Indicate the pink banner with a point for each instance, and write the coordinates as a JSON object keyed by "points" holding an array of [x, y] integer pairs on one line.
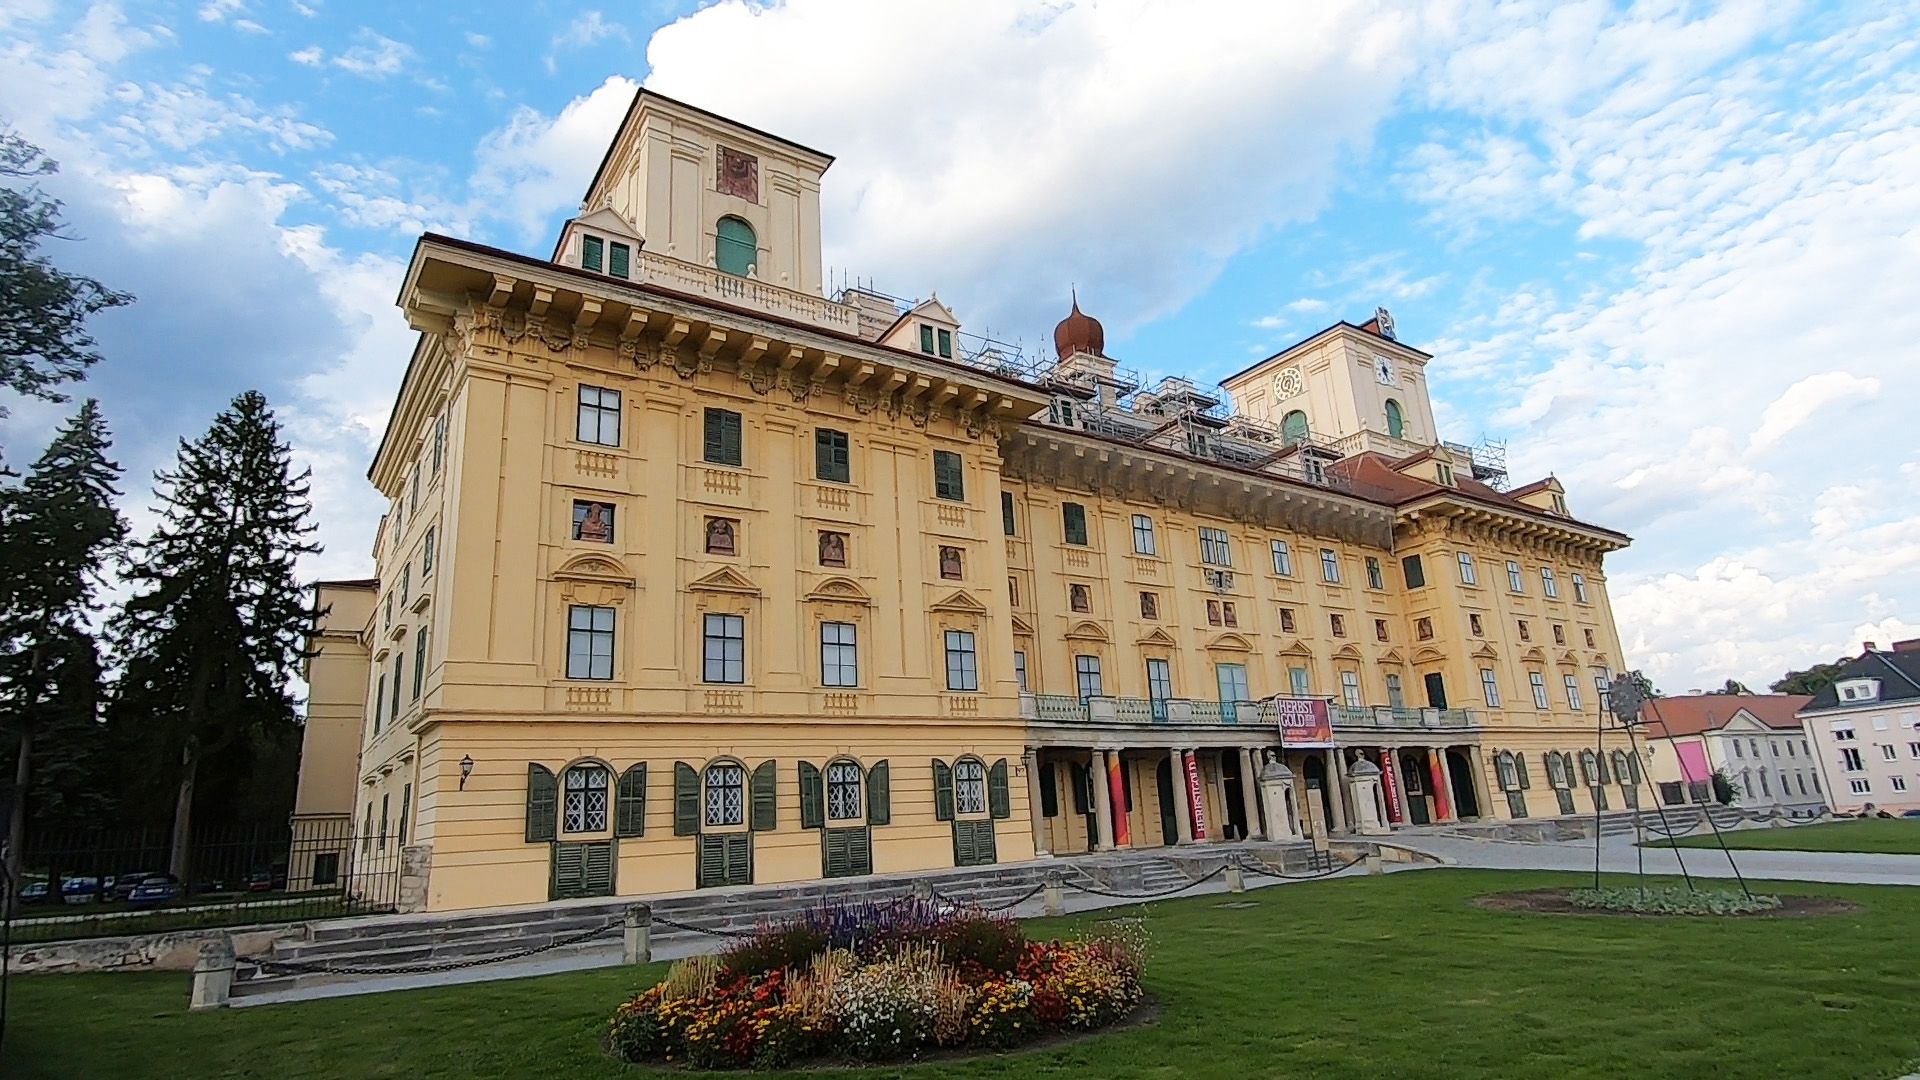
{"points": [[1693, 761], [1196, 798], [1303, 721], [1442, 798]]}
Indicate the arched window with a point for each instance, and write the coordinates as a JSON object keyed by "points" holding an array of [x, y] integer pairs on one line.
{"points": [[1503, 764], [1557, 770], [583, 806], [734, 249], [1396, 420], [726, 802], [970, 786], [1293, 427], [1622, 772], [1589, 768], [843, 791]]}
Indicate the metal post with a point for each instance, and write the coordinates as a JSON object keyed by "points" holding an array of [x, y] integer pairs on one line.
{"points": [[1599, 730], [213, 975], [638, 943]]}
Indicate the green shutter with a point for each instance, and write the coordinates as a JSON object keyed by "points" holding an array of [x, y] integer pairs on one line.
{"points": [[765, 785], [846, 852], [860, 851], [926, 339], [730, 437], [569, 873], [1633, 767], [1049, 792], [711, 867], [1520, 767], [686, 800], [710, 447], [630, 811], [720, 437], [999, 802], [598, 872], [590, 248], [543, 803], [1600, 766], [986, 850], [813, 797], [942, 790], [739, 856], [879, 795], [822, 454], [617, 260], [962, 844], [973, 843]]}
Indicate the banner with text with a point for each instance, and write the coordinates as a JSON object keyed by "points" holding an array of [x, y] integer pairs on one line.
{"points": [[1304, 721], [1196, 797]]}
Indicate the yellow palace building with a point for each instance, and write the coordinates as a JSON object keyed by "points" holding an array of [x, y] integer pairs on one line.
{"points": [[697, 576]]}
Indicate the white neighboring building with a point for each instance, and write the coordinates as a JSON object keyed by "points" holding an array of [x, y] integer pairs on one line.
{"points": [[1755, 738], [1866, 730]]}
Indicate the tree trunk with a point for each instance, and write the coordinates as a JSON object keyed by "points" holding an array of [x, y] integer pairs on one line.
{"points": [[17, 825], [181, 844]]}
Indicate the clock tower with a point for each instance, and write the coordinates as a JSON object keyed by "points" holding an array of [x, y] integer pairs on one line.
{"points": [[1355, 387]]}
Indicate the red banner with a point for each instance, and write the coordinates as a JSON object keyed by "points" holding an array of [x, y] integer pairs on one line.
{"points": [[1303, 721], [1196, 797], [1390, 784], [1117, 801]]}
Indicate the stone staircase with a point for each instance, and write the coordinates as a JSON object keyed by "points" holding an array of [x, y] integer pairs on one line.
{"points": [[452, 938]]}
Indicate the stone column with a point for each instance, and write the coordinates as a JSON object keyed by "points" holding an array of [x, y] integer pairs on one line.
{"points": [[1336, 779], [1439, 754], [1177, 763], [416, 864], [1102, 805], [1480, 794], [1391, 788], [1248, 799], [1042, 840]]}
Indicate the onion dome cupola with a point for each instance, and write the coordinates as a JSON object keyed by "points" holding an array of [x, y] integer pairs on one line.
{"points": [[1078, 333]]}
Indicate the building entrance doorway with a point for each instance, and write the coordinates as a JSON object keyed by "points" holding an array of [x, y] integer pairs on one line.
{"points": [[1413, 785], [1314, 772], [1436, 684], [1232, 789], [1163, 782], [1466, 803]]}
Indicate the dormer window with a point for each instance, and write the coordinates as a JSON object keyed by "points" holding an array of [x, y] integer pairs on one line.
{"points": [[936, 342], [1444, 472], [1560, 504], [1858, 690], [603, 256], [1061, 411]]}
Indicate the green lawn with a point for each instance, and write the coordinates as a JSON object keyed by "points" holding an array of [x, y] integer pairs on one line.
{"points": [[1368, 977], [1886, 836]]}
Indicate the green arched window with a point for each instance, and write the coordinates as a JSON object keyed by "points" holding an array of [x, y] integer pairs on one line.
{"points": [[734, 250], [1293, 427], [1396, 420]]}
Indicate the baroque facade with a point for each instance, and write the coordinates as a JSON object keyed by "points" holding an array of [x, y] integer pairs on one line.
{"points": [[695, 576]]}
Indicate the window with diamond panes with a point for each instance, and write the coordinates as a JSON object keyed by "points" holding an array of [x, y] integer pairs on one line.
{"points": [[726, 802], [583, 800], [843, 791], [969, 786]]}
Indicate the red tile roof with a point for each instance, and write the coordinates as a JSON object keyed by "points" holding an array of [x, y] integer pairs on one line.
{"points": [[1696, 713], [1375, 476]]}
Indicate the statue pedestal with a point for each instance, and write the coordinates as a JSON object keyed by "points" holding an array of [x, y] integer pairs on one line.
{"points": [[1283, 807]]}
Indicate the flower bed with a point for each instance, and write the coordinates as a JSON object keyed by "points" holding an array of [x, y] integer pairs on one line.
{"points": [[878, 982], [1672, 900]]}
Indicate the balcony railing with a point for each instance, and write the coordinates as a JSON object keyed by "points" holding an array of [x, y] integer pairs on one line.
{"points": [[1065, 709], [1401, 718], [708, 282]]}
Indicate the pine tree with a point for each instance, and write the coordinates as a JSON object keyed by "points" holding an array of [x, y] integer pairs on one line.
{"points": [[219, 619], [57, 531]]}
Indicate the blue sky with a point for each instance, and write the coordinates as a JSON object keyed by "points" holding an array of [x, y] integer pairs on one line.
{"points": [[1666, 250]]}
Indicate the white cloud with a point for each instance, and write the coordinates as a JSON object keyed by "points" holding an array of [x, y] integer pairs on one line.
{"points": [[215, 11], [375, 57], [1799, 402], [533, 166], [478, 41], [589, 29], [311, 56], [248, 26]]}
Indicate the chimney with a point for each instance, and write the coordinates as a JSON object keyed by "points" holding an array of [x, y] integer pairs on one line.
{"points": [[1912, 644], [1867, 646]]}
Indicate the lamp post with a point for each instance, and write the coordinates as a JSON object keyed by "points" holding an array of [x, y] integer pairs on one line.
{"points": [[466, 770]]}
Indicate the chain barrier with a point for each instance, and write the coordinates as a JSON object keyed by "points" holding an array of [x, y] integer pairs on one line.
{"points": [[298, 967], [992, 908], [1097, 891], [662, 920], [1262, 871]]}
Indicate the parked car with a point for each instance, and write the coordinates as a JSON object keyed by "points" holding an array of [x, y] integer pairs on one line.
{"points": [[260, 881], [1911, 813], [154, 889], [80, 890], [35, 892], [124, 884]]}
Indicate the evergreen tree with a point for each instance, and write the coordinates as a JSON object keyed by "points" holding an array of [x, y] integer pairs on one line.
{"points": [[43, 309], [219, 619], [1812, 680], [56, 532]]}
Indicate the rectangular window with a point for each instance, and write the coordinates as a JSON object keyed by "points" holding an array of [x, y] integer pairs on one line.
{"points": [[439, 442], [1086, 674], [1375, 578], [1859, 787], [1073, 523], [963, 668], [589, 642], [1887, 750], [1468, 576], [947, 480], [1572, 683], [1006, 513], [1899, 782], [946, 343], [420, 662], [399, 668], [720, 442], [406, 583], [1282, 558], [839, 655], [1338, 623], [1143, 542], [1579, 588], [1539, 684], [832, 457], [1159, 686], [1490, 687], [1329, 566], [593, 522], [1850, 759], [1350, 689], [618, 255], [1232, 680], [1150, 606], [599, 416], [1214, 549], [1586, 634], [427, 544], [1414, 571], [1298, 682], [1020, 670], [926, 339], [1548, 585], [1559, 634], [1287, 624], [379, 702], [592, 249], [724, 649], [1515, 583]]}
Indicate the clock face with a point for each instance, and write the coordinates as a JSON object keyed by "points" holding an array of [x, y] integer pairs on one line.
{"points": [[1288, 383], [1383, 370]]}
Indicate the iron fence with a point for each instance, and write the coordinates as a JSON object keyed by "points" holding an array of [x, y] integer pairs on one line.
{"points": [[84, 883]]}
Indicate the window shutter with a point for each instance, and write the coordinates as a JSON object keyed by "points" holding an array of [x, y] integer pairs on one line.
{"points": [[766, 816], [1520, 766], [879, 795], [569, 871], [730, 437], [543, 803], [597, 874], [686, 801], [739, 856], [711, 868], [1077, 778], [860, 851], [986, 850], [1600, 766], [833, 853], [712, 446], [962, 843], [813, 797], [590, 247], [1633, 767], [617, 260], [999, 802], [822, 453], [630, 813], [942, 791]]}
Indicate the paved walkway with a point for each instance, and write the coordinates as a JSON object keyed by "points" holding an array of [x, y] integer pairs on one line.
{"points": [[1618, 854]]}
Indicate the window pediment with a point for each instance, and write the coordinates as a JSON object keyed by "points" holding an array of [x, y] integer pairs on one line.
{"points": [[1230, 643], [1087, 630], [960, 601], [725, 580], [1022, 626], [1485, 652], [1428, 655], [1391, 656], [1568, 659], [843, 590], [1348, 652], [1296, 648], [1157, 636], [1534, 655]]}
